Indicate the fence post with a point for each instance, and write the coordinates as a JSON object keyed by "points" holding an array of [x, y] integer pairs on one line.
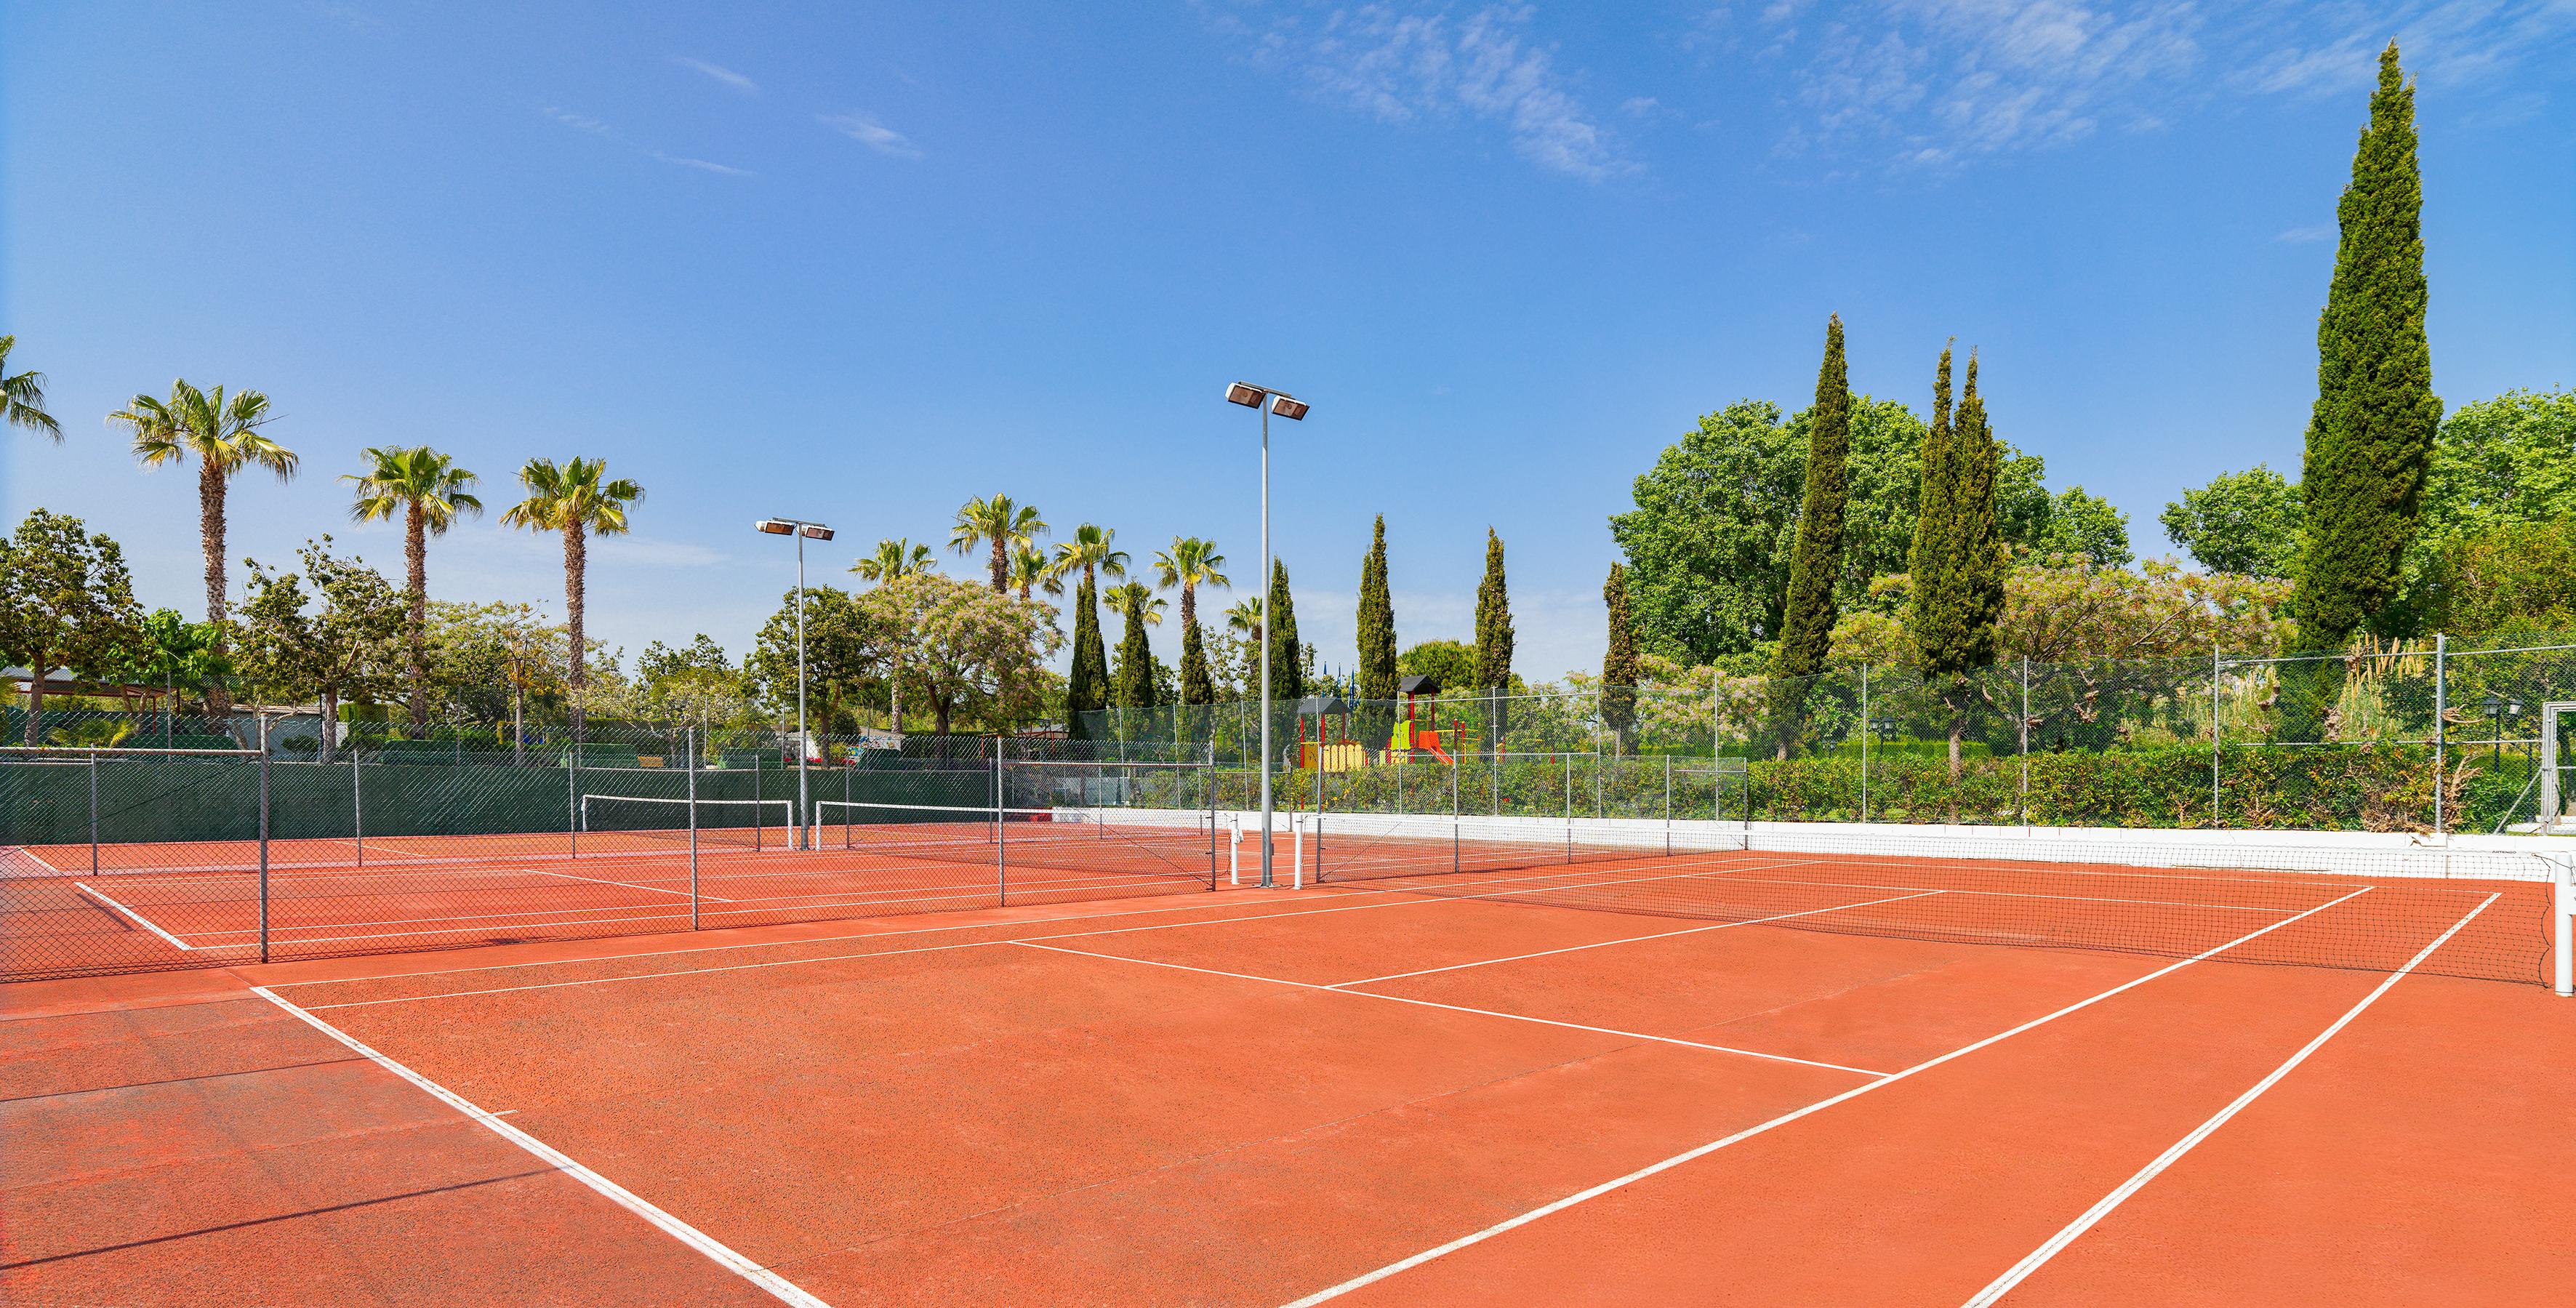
{"points": [[572, 797], [1865, 733], [2214, 665], [263, 835], [1668, 806], [2441, 723], [690, 739], [93, 808], [2565, 913], [357, 808], [1002, 838], [1569, 808], [2025, 741], [1454, 761]]}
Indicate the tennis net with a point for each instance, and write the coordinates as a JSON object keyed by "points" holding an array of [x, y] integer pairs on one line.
{"points": [[1171, 844], [646, 820], [2368, 903]]}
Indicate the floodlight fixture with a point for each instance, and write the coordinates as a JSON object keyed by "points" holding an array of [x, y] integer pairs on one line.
{"points": [[816, 531], [1245, 394], [775, 527], [1289, 407]]}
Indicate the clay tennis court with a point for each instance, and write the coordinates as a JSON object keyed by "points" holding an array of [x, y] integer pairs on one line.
{"points": [[1731, 1076]]}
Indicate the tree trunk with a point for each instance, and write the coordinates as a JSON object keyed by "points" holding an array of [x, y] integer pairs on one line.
{"points": [[576, 562], [416, 565], [330, 724], [1001, 565], [1189, 604], [894, 686], [940, 709], [210, 532]]}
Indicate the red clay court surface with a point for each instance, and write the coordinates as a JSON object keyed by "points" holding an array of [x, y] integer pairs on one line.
{"points": [[1355, 1094]]}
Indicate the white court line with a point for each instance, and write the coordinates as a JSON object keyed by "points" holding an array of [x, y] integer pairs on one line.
{"points": [[778, 1286], [1630, 940], [137, 918], [603, 881], [1374, 903], [2056, 1244], [1656, 1169], [1454, 1008]]}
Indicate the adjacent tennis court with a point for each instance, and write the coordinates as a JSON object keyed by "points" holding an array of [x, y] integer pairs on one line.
{"points": [[1587, 1065]]}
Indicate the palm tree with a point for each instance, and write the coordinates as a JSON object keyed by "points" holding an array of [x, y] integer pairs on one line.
{"points": [[1093, 551], [578, 500], [429, 490], [1030, 570], [1243, 618], [22, 397], [1000, 523], [1188, 564], [896, 558], [222, 432], [1134, 595]]}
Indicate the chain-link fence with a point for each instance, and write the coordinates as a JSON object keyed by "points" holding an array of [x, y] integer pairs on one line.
{"points": [[118, 858], [2384, 736]]}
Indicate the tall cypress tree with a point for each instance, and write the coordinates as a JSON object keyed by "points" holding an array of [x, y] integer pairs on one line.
{"points": [[1198, 685], [2370, 435], [1377, 641], [1619, 660], [1807, 618], [1287, 657], [1959, 555], [1086, 685], [1135, 660], [1494, 636]]}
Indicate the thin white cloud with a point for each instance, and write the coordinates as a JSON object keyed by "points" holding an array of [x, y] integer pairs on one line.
{"points": [[731, 79], [1639, 106], [590, 126], [1407, 67], [867, 131], [2308, 234], [1939, 83]]}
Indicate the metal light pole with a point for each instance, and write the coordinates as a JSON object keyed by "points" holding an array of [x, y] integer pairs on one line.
{"points": [[1294, 409], [802, 531]]}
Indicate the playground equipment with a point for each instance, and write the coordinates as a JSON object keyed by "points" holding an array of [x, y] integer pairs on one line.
{"points": [[1336, 745]]}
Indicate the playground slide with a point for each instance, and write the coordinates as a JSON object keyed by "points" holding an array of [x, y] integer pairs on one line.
{"points": [[1440, 754]]}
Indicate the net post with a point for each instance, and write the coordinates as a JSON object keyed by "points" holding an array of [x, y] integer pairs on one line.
{"points": [[2564, 892], [263, 834], [690, 741], [1297, 852]]}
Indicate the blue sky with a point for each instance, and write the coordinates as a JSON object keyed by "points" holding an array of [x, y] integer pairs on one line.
{"points": [[858, 262]]}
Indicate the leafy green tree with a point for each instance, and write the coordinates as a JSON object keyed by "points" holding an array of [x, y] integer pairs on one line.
{"points": [[2370, 437], [895, 557], [1134, 677], [578, 500], [66, 600], [2503, 461], [1619, 662], [998, 524], [845, 651], [491, 661], [349, 649], [1959, 556], [2514, 577], [963, 648], [2085, 526], [429, 491], [1452, 663], [175, 653], [1287, 657], [222, 433], [1815, 563], [695, 683], [22, 398], [2245, 524], [1704, 543]]}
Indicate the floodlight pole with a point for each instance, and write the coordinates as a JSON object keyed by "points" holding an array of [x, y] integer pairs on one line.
{"points": [[800, 529], [1268, 809]]}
